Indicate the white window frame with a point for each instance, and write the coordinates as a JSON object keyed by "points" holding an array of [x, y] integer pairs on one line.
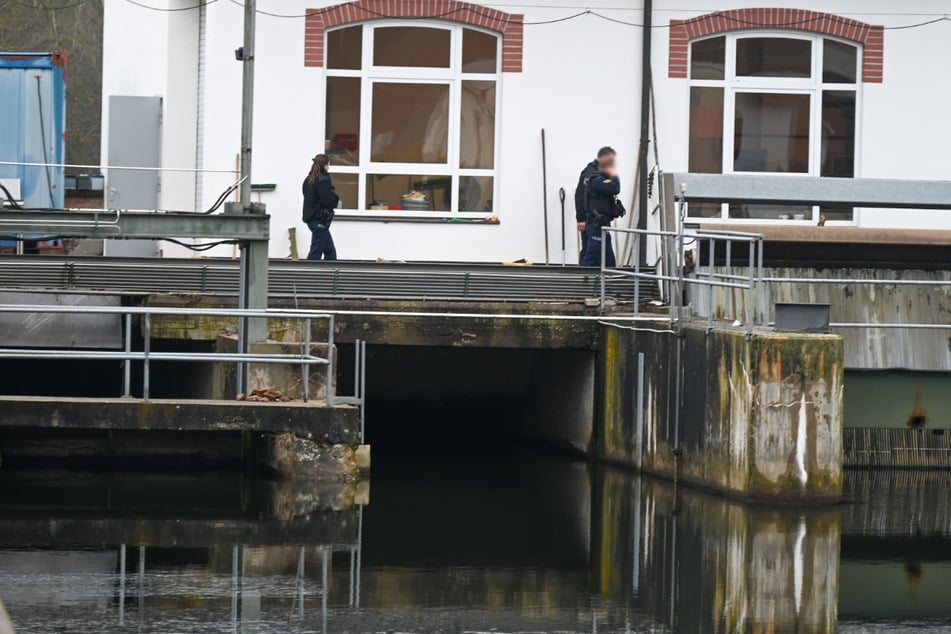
{"points": [[733, 84], [453, 76]]}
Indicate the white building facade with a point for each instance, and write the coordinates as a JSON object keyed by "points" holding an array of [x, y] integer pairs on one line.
{"points": [[432, 111]]}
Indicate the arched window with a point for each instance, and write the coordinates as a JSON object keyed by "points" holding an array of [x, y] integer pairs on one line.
{"points": [[411, 124], [773, 102]]}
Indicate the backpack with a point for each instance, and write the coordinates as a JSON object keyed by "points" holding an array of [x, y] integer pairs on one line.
{"points": [[582, 205]]}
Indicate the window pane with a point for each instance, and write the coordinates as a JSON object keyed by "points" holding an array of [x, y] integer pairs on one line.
{"points": [[706, 130], [706, 58], [475, 193], [704, 210], [345, 48], [411, 46], [771, 212], [410, 193], [480, 52], [837, 213], [410, 123], [838, 62], [773, 57], [838, 133], [771, 133], [347, 186], [477, 133], [343, 120]]}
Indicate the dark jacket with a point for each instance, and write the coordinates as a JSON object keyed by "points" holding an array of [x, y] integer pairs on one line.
{"points": [[581, 191], [320, 200], [602, 199]]}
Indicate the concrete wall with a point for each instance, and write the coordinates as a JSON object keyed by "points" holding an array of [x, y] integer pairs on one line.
{"points": [[865, 348], [758, 418]]}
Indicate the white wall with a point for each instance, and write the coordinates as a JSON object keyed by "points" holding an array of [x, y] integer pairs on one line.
{"points": [[580, 81], [903, 128]]}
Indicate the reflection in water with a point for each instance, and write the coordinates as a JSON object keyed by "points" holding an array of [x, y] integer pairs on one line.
{"points": [[507, 543]]}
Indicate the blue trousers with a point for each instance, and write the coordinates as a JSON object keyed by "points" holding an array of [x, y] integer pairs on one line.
{"points": [[321, 242], [592, 247]]}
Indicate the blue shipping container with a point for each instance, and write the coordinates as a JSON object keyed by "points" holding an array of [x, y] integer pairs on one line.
{"points": [[33, 124]]}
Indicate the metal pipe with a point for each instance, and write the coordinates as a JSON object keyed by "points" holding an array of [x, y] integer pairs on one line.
{"points": [[712, 249], [305, 368], [127, 363], [637, 272], [363, 391], [247, 99], [119, 167], [147, 345], [545, 192], [604, 251], [642, 153], [329, 398]]}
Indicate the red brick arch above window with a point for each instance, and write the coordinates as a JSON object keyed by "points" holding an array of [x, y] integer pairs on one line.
{"points": [[508, 25], [870, 36]]}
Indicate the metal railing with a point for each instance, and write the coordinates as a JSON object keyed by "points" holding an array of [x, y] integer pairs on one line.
{"points": [[675, 274], [147, 356], [746, 274]]}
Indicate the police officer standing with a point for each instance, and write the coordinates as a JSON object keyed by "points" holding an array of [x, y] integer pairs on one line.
{"points": [[602, 207], [581, 194]]}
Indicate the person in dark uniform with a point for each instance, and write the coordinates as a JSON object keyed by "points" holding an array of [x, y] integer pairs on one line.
{"points": [[603, 208], [581, 193], [320, 200]]}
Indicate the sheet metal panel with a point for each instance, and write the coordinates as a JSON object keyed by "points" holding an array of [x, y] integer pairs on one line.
{"points": [[60, 330]]}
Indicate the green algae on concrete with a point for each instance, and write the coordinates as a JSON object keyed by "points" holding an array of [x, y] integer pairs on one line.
{"points": [[758, 417]]}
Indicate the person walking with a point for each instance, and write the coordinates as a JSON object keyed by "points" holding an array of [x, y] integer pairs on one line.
{"points": [[320, 200], [582, 193], [603, 208]]}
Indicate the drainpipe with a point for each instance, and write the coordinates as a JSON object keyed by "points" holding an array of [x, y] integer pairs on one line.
{"points": [[642, 206]]}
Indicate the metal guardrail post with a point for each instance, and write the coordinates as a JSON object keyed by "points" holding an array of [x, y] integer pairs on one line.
{"points": [[713, 245], [749, 292], [305, 367], [127, 363], [761, 246], [640, 410], [637, 273], [147, 346], [604, 251], [331, 361]]}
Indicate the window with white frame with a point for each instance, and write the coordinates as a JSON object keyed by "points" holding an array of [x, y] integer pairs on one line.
{"points": [[411, 124], [773, 103]]}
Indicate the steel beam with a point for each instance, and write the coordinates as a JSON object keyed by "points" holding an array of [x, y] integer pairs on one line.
{"points": [[132, 225], [807, 190]]}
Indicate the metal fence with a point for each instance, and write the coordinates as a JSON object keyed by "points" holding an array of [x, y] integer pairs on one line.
{"points": [[742, 274], [305, 358]]}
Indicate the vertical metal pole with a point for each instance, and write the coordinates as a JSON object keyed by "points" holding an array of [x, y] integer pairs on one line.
{"points": [[646, 82], [353, 564], [545, 193], [760, 284], [247, 99], [121, 584], [147, 346], [637, 273], [240, 371], [604, 249], [331, 366], [713, 245], [363, 390], [127, 364], [749, 290], [305, 367], [640, 410]]}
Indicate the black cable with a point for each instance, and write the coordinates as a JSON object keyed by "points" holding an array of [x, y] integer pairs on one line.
{"points": [[200, 247], [46, 158], [151, 8]]}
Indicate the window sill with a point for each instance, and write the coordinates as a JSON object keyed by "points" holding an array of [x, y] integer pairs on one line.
{"points": [[433, 218]]}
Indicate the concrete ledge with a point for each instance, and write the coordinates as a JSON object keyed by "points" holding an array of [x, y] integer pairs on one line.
{"points": [[314, 420]]}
